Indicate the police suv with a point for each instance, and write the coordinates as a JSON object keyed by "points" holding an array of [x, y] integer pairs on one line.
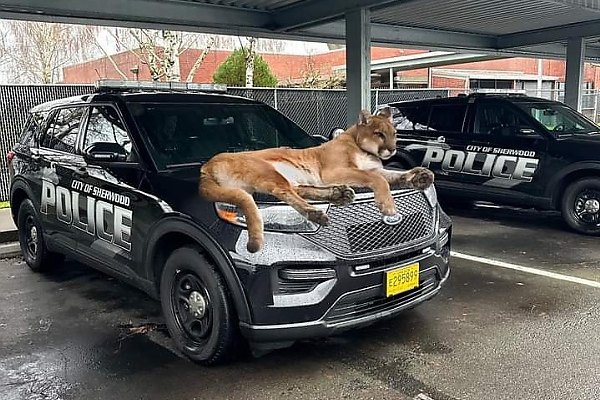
{"points": [[111, 179], [507, 149]]}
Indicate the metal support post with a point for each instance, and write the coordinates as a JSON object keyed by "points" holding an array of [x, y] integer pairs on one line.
{"points": [[358, 62], [574, 76]]}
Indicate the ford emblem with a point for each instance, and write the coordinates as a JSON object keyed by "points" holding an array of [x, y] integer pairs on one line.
{"points": [[392, 219]]}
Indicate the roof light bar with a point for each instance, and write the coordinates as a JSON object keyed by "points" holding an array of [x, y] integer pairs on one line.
{"points": [[116, 84]]}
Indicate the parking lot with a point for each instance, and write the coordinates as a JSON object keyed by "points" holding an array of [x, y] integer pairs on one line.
{"points": [[518, 319]]}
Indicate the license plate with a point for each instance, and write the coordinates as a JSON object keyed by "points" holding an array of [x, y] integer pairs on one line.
{"points": [[402, 279]]}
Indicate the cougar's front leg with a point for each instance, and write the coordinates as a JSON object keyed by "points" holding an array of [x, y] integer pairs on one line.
{"points": [[362, 178], [339, 195], [416, 178]]}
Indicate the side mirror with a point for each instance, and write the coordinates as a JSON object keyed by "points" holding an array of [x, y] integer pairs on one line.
{"points": [[105, 152], [335, 132]]}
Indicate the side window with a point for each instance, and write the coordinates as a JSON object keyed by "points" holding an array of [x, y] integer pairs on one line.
{"points": [[32, 130], [496, 119], [412, 118], [105, 126], [63, 129], [448, 118]]}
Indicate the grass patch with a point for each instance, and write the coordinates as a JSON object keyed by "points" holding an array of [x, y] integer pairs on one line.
{"points": [[4, 204]]}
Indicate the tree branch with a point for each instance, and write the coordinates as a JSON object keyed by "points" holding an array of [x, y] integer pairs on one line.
{"points": [[200, 59], [112, 61]]}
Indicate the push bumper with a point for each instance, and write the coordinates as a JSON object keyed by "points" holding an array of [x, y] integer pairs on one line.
{"points": [[354, 298]]}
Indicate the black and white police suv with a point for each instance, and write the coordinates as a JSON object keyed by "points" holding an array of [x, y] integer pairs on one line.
{"points": [[507, 149], [111, 179]]}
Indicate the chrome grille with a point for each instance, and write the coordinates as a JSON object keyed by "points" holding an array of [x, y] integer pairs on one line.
{"points": [[358, 228]]}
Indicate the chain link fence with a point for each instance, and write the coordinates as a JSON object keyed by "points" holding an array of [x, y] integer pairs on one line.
{"points": [[316, 111]]}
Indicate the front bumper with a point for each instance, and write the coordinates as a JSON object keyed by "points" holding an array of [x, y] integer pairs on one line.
{"points": [[349, 294]]}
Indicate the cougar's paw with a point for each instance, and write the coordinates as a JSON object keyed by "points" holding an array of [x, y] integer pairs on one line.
{"points": [[254, 245], [318, 217], [422, 178], [387, 206], [342, 195]]}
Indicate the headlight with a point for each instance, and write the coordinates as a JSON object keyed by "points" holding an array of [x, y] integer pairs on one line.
{"points": [[431, 196], [280, 218]]}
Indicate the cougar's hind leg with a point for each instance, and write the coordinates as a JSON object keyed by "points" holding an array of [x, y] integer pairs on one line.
{"points": [[211, 190]]}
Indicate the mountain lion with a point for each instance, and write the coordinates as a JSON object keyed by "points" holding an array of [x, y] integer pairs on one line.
{"points": [[321, 173]]}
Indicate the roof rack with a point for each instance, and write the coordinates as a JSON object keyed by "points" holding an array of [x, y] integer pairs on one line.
{"points": [[106, 85], [498, 94]]}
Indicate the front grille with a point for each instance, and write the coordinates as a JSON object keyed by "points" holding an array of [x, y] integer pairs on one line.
{"points": [[358, 228], [356, 305]]}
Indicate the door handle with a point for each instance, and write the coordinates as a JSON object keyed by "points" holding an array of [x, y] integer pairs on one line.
{"points": [[81, 171]]}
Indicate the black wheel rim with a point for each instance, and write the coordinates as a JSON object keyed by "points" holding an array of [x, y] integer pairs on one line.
{"points": [[192, 307], [587, 207], [32, 237]]}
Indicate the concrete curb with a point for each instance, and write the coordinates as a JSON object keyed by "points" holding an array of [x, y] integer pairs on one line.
{"points": [[10, 250]]}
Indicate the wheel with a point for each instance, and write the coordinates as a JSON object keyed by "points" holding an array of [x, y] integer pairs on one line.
{"points": [[197, 307], [31, 239], [581, 206]]}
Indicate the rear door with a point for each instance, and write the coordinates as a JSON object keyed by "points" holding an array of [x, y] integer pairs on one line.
{"points": [[433, 135], [58, 167]]}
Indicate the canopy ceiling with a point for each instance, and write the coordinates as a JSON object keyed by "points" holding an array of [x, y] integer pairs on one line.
{"points": [[538, 28]]}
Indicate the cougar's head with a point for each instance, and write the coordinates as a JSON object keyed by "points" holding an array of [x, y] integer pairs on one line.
{"points": [[376, 134]]}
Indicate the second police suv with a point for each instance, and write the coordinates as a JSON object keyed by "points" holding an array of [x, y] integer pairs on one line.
{"points": [[111, 179], [507, 149]]}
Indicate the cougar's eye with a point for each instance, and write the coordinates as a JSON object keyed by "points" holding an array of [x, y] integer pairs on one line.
{"points": [[381, 135]]}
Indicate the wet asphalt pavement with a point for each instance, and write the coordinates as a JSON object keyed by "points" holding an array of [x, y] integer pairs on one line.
{"points": [[491, 333]]}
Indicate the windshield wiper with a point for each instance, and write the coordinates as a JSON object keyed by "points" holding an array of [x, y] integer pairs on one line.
{"points": [[192, 164]]}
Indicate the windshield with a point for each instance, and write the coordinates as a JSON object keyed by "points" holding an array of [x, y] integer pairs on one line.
{"points": [[558, 118], [183, 134]]}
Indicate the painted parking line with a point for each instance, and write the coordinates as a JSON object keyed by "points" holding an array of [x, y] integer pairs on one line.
{"points": [[529, 270]]}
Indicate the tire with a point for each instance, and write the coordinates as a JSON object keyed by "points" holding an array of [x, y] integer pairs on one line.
{"points": [[191, 284], [31, 239], [580, 206]]}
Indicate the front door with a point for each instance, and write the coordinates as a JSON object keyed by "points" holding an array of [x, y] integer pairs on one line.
{"points": [[108, 200], [509, 149]]}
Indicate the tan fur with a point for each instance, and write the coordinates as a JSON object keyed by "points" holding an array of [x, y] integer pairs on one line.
{"points": [[321, 173]]}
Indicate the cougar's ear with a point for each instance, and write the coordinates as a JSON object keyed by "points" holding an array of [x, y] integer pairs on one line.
{"points": [[385, 112], [363, 117]]}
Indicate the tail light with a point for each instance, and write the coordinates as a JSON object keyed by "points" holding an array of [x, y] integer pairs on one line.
{"points": [[10, 155]]}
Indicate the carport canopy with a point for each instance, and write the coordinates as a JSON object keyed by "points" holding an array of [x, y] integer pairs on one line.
{"points": [[536, 28]]}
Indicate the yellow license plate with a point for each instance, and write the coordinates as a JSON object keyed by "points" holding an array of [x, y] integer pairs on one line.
{"points": [[402, 279]]}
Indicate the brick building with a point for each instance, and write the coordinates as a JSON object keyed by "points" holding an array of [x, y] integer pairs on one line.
{"points": [[290, 70]]}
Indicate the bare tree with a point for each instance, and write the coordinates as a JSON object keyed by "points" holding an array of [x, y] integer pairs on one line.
{"points": [[249, 54], [200, 59], [270, 46], [160, 51], [313, 77], [38, 51]]}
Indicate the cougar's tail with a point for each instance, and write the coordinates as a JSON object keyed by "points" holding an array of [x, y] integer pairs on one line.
{"points": [[211, 190]]}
